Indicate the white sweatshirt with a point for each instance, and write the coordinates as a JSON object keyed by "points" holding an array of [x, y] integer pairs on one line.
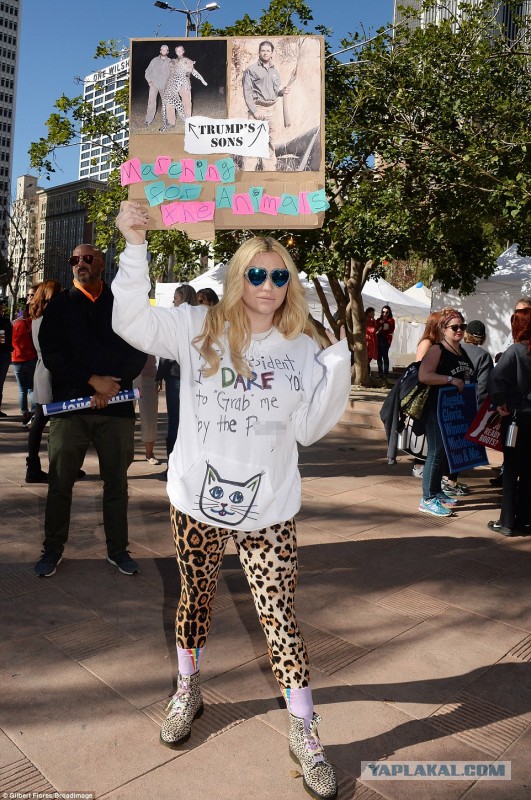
{"points": [[234, 464]]}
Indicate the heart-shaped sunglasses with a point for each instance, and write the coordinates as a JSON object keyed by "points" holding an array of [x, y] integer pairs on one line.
{"points": [[258, 275]]}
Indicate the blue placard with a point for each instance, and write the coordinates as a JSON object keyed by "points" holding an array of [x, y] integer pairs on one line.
{"points": [[79, 403], [455, 413]]}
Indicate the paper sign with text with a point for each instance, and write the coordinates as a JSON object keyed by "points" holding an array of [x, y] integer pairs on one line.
{"points": [[200, 116], [486, 427], [241, 137], [455, 412]]}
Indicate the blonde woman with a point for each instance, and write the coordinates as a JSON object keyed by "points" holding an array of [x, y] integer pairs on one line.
{"points": [[254, 382]]}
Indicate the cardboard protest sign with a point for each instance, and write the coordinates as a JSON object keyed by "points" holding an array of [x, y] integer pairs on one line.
{"points": [[486, 427], [227, 133], [455, 412]]}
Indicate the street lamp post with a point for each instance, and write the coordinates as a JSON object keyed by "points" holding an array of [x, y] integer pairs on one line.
{"points": [[194, 18]]}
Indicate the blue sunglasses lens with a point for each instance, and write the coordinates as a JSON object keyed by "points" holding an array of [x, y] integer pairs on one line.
{"points": [[280, 277], [258, 275]]}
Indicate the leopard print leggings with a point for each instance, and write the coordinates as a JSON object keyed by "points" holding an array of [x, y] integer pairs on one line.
{"points": [[269, 559]]}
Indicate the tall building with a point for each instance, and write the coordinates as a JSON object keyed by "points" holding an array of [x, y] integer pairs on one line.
{"points": [[45, 226], [63, 225], [507, 13], [9, 47], [23, 247], [99, 89]]}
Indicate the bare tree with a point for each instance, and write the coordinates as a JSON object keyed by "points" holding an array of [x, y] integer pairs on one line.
{"points": [[18, 260]]}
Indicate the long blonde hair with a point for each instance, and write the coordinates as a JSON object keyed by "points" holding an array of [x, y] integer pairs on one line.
{"points": [[229, 317]]}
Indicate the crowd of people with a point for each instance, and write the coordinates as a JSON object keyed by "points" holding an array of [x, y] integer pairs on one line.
{"points": [[450, 353], [20, 347], [232, 476]]}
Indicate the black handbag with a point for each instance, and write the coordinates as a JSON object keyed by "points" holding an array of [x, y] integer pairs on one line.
{"points": [[413, 394]]}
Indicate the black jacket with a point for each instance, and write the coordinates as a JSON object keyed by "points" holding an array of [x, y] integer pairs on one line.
{"points": [[5, 325], [510, 380], [77, 341], [392, 415]]}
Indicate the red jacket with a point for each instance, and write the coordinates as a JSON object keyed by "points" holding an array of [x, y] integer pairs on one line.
{"points": [[388, 332], [23, 349]]}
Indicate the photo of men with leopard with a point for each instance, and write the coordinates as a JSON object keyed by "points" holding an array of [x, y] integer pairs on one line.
{"points": [[173, 79]]}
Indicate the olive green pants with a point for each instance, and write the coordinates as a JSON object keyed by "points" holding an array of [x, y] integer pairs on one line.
{"points": [[70, 437]]}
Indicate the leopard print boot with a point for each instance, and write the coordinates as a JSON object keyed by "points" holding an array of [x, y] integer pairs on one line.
{"points": [[305, 748], [185, 706]]}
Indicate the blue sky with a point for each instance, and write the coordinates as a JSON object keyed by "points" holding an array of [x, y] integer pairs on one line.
{"points": [[59, 37]]}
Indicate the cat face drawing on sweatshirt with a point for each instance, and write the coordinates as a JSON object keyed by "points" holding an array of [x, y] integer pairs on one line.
{"points": [[228, 502]]}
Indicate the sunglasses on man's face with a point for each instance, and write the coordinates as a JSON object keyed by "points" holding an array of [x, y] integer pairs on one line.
{"points": [[88, 258], [258, 275], [456, 328]]}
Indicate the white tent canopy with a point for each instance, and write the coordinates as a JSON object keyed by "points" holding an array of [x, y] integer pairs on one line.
{"points": [[410, 314], [494, 298], [213, 278], [380, 292], [419, 292]]}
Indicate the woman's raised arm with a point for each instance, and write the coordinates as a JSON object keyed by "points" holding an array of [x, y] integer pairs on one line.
{"points": [[149, 329], [131, 222]]}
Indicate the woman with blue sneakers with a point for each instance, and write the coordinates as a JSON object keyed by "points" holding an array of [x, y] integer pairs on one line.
{"points": [[445, 364]]}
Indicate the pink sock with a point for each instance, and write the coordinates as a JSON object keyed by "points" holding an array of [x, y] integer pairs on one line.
{"points": [[189, 659], [300, 703]]}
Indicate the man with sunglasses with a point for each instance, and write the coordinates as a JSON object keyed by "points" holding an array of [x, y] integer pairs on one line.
{"points": [[85, 357]]}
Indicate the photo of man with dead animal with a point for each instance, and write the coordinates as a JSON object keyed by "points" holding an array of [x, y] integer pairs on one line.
{"points": [[279, 80]]}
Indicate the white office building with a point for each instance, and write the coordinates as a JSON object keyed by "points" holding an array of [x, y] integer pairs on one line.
{"points": [[507, 14], [24, 251], [100, 89]]}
